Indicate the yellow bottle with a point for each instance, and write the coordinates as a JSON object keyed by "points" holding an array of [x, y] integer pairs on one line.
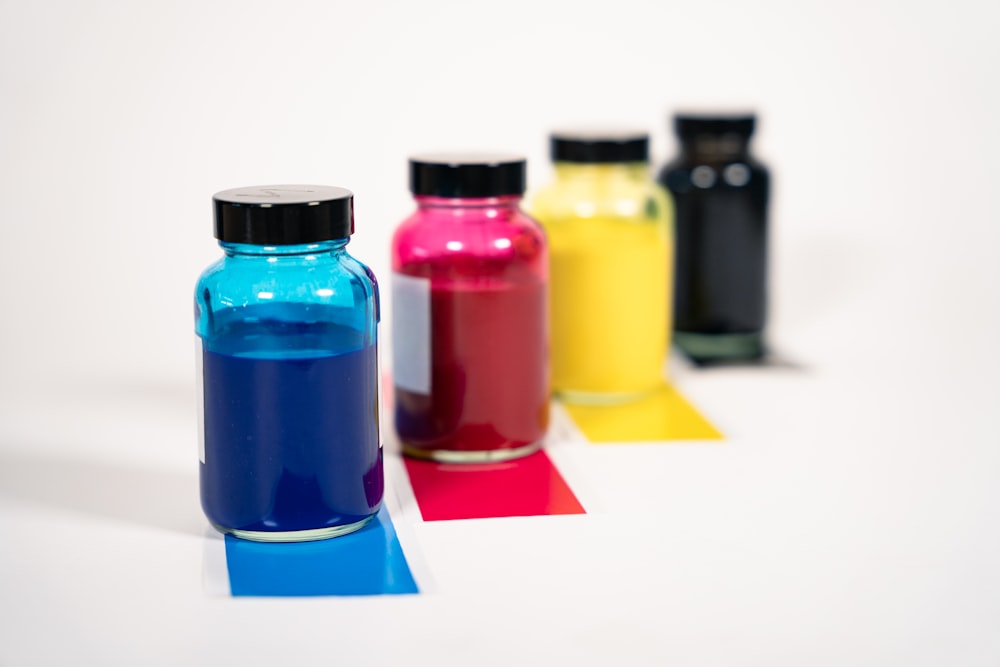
{"points": [[610, 231]]}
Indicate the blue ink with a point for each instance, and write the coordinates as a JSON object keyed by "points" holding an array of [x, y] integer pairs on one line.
{"points": [[291, 443]]}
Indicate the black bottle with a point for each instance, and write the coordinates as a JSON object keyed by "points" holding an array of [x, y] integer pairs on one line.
{"points": [[720, 194]]}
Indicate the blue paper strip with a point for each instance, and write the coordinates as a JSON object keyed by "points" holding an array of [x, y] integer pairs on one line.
{"points": [[368, 562]]}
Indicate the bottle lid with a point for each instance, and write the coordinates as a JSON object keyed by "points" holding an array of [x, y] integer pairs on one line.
{"points": [[691, 125], [283, 214], [599, 146], [468, 175]]}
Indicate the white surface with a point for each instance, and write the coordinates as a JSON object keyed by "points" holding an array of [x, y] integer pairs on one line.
{"points": [[853, 516]]}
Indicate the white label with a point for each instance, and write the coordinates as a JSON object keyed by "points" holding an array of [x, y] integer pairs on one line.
{"points": [[199, 383], [411, 333]]}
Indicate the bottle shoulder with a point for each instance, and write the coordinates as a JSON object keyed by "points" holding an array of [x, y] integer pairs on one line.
{"points": [[211, 272], [688, 162], [682, 176], [358, 270], [639, 200], [324, 278], [444, 236], [676, 164]]}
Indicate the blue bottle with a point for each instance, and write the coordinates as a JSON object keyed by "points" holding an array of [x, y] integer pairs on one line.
{"points": [[287, 325]]}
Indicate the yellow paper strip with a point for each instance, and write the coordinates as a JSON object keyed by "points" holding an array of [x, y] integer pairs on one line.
{"points": [[663, 415]]}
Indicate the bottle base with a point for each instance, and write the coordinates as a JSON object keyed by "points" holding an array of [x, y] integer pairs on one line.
{"points": [[720, 347], [310, 535], [471, 456], [602, 398]]}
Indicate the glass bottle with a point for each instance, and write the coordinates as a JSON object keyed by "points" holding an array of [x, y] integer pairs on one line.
{"points": [[470, 324], [610, 240], [721, 195], [287, 326]]}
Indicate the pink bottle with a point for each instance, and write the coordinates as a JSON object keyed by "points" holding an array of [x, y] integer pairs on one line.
{"points": [[470, 313]]}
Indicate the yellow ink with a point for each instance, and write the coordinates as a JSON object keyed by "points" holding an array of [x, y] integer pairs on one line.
{"points": [[661, 415], [611, 266]]}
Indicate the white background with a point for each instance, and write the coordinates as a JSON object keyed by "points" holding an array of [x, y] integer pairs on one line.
{"points": [[852, 517]]}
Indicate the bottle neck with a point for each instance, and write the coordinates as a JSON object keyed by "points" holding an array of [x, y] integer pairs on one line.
{"points": [[509, 202], [632, 171], [716, 148], [251, 250]]}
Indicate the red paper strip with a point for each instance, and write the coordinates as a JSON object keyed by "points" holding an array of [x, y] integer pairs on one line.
{"points": [[530, 486]]}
